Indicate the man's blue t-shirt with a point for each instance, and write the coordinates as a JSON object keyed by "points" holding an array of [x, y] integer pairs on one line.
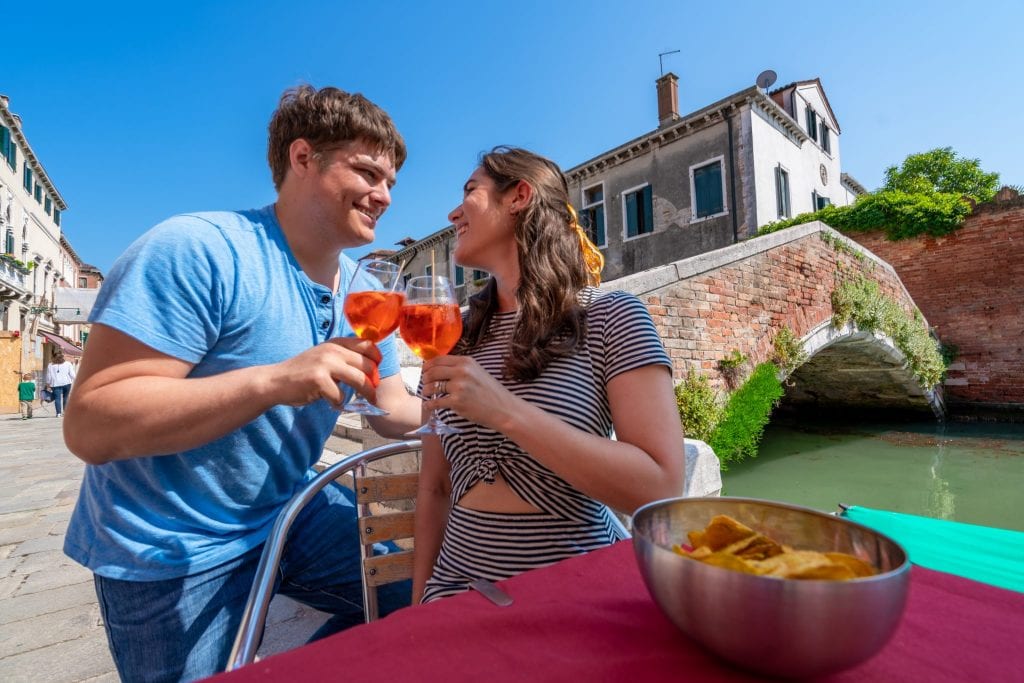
{"points": [[221, 291]]}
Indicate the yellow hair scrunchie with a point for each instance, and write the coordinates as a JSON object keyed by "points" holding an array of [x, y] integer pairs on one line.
{"points": [[592, 257]]}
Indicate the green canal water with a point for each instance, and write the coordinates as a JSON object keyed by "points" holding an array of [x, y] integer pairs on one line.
{"points": [[967, 472]]}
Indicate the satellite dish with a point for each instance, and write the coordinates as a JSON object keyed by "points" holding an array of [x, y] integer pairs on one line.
{"points": [[765, 79]]}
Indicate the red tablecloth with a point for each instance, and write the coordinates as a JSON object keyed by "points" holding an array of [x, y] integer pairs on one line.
{"points": [[591, 619]]}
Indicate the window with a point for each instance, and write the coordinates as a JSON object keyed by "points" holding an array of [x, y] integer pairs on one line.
{"points": [[83, 282], [39, 193], [9, 242], [707, 188], [48, 205], [460, 276], [428, 270], [592, 215], [812, 124], [8, 148], [405, 280], [26, 178], [826, 140], [56, 216], [782, 192], [638, 214], [479, 275], [818, 201]]}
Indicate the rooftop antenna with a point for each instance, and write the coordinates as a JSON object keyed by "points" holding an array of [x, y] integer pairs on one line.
{"points": [[765, 79], [661, 62]]}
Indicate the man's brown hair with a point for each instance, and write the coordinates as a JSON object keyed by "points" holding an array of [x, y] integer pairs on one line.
{"points": [[327, 119]]}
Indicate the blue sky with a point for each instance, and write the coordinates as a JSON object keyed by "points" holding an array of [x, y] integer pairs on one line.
{"points": [[139, 110]]}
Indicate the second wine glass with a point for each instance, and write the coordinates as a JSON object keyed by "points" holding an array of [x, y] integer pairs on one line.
{"points": [[431, 324], [372, 307]]}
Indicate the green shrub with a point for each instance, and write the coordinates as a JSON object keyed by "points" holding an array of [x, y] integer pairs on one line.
{"points": [[697, 402], [745, 415], [789, 351], [861, 300], [900, 214]]}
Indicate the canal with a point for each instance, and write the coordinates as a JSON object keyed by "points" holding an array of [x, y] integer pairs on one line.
{"points": [[967, 472]]}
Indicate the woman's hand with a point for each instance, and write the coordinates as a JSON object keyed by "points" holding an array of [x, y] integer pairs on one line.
{"points": [[467, 389]]}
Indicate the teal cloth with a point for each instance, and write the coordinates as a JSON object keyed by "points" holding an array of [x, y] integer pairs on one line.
{"points": [[986, 554]]}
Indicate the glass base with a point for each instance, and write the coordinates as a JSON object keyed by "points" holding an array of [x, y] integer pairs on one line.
{"points": [[363, 407], [434, 426]]}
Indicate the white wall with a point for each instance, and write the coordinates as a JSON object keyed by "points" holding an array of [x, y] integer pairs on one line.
{"points": [[772, 146]]}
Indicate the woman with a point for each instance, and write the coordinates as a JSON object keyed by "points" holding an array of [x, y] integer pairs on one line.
{"points": [[59, 376], [545, 367]]}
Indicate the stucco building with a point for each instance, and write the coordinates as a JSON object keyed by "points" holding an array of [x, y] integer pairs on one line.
{"points": [[33, 261], [697, 182]]}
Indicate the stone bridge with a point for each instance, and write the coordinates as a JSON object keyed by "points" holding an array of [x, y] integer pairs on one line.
{"points": [[738, 298]]}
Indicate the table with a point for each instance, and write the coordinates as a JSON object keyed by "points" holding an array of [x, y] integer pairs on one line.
{"points": [[590, 618]]}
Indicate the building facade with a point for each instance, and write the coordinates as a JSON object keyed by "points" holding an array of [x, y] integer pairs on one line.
{"points": [[33, 261], [698, 182]]}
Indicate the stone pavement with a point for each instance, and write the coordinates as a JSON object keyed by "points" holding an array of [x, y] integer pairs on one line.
{"points": [[50, 627]]}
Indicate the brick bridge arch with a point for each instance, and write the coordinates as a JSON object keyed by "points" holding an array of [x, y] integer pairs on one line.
{"points": [[739, 297]]}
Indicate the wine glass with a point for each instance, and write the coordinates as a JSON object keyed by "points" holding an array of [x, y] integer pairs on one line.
{"points": [[431, 324], [372, 306]]}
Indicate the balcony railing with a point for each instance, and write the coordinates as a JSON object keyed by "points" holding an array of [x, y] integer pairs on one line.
{"points": [[12, 280]]}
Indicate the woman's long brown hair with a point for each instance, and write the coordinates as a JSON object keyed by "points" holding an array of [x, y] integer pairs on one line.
{"points": [[551, 322]]}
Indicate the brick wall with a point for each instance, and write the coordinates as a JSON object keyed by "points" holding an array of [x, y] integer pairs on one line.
{"points": [[970, 287], [742, 305]]}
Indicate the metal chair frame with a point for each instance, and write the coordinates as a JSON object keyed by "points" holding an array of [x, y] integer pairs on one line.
{"points": [[254, 617]]}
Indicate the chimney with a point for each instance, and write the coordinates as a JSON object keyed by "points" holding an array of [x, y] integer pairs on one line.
{"points": [[668, 99]]}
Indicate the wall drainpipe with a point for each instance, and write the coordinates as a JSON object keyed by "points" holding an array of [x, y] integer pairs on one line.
{"points": [[732, 183]]}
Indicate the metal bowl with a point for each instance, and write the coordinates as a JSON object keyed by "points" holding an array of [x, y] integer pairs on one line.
{"points": [[778, 627]]}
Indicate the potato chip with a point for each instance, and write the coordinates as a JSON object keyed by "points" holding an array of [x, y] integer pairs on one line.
{"points": [[729, 544], [722, 531]]}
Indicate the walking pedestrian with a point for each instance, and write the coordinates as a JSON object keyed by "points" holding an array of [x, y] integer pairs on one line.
{"points": [[60, 374], [26, 395]]}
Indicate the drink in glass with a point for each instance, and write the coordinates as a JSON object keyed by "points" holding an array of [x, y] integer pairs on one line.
{"points": [[372, 307], [431, 324]]}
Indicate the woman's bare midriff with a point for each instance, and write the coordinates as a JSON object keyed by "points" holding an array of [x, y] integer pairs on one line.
{"points": [[496, 497]]}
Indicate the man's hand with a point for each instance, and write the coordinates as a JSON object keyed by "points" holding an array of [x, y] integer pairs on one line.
{"points": [[316, 373]]}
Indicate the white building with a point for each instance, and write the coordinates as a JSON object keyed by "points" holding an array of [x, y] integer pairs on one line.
{"points": [[32, 261]]}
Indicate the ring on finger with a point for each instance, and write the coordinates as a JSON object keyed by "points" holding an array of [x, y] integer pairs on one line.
{"points": [[442, 386]]}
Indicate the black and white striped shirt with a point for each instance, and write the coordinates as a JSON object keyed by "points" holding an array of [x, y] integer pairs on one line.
{"points": [[620, 336]]}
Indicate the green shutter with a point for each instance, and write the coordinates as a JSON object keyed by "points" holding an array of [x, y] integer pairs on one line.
{"points": [[778, 192], [648, 206], [707, 185]]}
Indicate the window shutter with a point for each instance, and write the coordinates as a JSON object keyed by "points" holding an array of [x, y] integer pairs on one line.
{"points": [[631, 215], [778, 192], [707, 185], [648, 205]]}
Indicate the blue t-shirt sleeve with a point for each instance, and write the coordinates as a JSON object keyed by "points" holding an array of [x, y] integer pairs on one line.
{"points": [[169, 289]]}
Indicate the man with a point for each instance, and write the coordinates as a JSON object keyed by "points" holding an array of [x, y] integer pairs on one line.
{"points": [[217, 361]]}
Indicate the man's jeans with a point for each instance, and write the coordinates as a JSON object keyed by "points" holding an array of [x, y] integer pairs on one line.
{"points": [[183, 629]]}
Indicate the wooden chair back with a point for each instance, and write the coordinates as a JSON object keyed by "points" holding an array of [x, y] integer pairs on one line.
{"points": [[385, 498]]}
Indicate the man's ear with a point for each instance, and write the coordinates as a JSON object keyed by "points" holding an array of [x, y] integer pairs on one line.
{"points": [[301, 157]]}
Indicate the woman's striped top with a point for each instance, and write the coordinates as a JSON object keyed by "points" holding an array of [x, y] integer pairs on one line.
{"points": [[620, 336]]}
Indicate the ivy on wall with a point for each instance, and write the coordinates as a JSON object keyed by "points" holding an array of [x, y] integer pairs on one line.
{"points": [[860, 300], [901, 215]]}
